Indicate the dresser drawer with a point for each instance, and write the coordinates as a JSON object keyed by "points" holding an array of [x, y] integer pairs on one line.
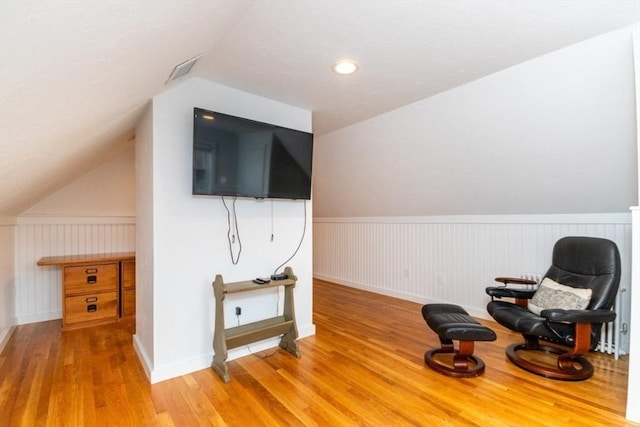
{"points": [[85, 308], [90, 279]]}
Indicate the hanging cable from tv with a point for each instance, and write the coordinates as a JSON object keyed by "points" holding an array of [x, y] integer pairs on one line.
{"points": [[277, 276], [233, 231]]}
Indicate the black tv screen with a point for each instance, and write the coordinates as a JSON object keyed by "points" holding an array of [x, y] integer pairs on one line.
{"points": [[233, 156]]}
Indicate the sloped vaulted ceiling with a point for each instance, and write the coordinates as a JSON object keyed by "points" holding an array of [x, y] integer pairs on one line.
{"points": [[74, 76]]}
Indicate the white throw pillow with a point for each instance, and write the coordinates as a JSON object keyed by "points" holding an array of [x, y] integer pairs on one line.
{"points": [[551, 294]]}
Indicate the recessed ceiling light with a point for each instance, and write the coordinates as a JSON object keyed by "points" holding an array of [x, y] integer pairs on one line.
{"points": [[345, 67]]}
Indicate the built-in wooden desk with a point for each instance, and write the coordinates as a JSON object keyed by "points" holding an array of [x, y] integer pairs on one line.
{"points": [[96, 288]]}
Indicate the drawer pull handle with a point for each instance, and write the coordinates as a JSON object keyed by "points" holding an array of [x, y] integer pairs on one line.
{"points": [[91, 270], [92, 308], [92, 280], [91, 299]]}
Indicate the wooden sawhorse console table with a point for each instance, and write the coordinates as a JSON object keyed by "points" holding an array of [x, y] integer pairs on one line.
{"points": [[227, 338]]}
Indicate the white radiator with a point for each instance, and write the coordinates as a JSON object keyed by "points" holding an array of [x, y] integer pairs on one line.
{"points": [[611, 334]]}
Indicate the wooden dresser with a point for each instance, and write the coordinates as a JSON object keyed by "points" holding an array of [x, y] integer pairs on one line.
{"points": [[96, 288]]}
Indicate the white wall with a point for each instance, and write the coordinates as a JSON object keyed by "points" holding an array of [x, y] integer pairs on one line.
{"points": [[189, 238], [7, 280], [552, 135], [633, 389], [107, 190], [143, 339]]}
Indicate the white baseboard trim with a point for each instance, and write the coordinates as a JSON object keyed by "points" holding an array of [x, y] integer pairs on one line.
{"points": [[5, 336], [306, 331], [303, 332], [38, 317], [188, 366], [142, 356], [180, 368], [474, 312]]}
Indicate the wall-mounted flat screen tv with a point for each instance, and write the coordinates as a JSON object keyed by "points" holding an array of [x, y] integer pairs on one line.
{"points": [[233, 156]]}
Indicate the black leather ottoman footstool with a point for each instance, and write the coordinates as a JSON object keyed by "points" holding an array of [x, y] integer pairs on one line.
{"points": [[452, 322]]}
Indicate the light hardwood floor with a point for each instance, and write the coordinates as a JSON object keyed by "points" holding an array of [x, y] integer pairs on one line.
{"points": [[364, 366]]}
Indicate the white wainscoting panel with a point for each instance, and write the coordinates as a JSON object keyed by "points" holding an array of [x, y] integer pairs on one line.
{"points": [[38, 289], [453, 258]]}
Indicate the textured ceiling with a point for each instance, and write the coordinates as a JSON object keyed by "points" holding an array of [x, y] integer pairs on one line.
{"points": [[75, 76]]}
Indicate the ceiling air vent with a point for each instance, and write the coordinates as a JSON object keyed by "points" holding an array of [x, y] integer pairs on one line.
{"points": [[183, 68]]}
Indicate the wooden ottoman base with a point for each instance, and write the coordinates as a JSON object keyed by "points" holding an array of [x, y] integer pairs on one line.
{"points": [[463, 364], [452, 322]]}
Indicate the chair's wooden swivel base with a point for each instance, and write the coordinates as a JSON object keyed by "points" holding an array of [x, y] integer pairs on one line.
{"points": [[570, 365], [452, 322]]}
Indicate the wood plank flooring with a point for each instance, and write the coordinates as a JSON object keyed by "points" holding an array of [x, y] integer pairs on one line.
{"points": [[363, 367]]}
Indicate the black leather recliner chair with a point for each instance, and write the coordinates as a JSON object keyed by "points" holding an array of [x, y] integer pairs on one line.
{"points": [[577, 262]]}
